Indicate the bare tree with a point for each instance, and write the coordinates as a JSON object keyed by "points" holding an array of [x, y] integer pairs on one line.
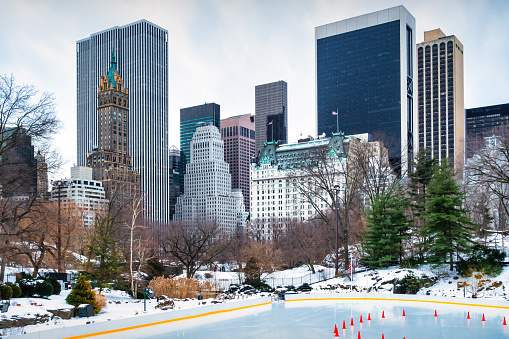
{"points": [[136, 210], [194, 245], [261, 258]]}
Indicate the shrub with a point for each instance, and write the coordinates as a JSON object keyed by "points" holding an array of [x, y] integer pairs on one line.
{"points": [[5, 292], [43, 288], [181, 288], [82, 293], [57, 288], [27, 287], [488, 260], [16, 290], [100, 300]]}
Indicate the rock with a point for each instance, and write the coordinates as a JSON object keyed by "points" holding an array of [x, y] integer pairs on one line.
{"points": [[64, 313]]}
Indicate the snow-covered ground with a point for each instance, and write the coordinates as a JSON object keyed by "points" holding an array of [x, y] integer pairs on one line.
{"points": [[121, 305]]}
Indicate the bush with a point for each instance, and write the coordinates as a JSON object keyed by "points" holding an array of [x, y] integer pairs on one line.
{"points": [[82, 293], [488, 260], [43, 288], [182, 288], [27, 287], [101, 300], [16, 290], [57, 288], [5, 292]]}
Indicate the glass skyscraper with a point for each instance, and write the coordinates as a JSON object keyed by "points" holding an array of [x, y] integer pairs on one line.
{"points": [[364, 71], [271, 107], [190, 119], [141, 49]]}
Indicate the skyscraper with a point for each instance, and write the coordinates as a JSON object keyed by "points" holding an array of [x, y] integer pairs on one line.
{"points": [[238, 135], [440, 112], [174, 192], [111, 162], [271, 112], [141, 49], [208, 196], [364, 72], [190, 119], [481, 121]]}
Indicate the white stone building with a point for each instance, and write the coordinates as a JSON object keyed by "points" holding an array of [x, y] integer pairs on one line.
{"points": [[80, 190], [208, 195], [275, 198]]}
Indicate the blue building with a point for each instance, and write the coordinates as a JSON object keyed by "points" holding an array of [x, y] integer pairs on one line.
{"points": [[364, 72], [190, 119]]}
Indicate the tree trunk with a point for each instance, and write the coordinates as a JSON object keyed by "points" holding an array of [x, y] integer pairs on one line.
{"points": [[2, 270]]}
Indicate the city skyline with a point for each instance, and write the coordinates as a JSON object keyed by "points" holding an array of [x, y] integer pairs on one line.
{"points": [[218, 52]]}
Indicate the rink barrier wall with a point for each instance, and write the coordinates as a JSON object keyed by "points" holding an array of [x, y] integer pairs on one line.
{"points": [[491, 303], [144, 320]]}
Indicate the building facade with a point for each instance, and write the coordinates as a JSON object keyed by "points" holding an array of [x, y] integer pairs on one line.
{"points": [[111, 162], [238, 135], [271, 112], [42, 174], [481, 121], [440, 97], [82, 192], [142, 55], [190, 119], [208, 196], [174, 165], [18, 165], [364, 72]]}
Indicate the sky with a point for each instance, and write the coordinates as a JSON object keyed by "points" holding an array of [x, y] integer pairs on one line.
{"points": [[220, 50]]}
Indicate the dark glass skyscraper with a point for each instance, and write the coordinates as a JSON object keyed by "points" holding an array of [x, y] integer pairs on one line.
{"points": [[271, 107], [141, 49], [481, 121], [190, 119], [364, 71]]}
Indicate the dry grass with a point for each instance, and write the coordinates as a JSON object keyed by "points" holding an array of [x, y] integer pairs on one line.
{"points": [[181, 288], [101, 300]]}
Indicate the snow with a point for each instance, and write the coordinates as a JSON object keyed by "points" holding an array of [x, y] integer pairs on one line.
{"points": [[121, 305]]}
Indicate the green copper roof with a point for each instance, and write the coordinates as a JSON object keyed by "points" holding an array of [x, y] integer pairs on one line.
{"points": [[113, 69]]}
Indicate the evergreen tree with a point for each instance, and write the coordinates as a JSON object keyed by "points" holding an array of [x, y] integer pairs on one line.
{"points": [[103, 247], [447, 226], [418, 190], [388, 228], [82, 293]]}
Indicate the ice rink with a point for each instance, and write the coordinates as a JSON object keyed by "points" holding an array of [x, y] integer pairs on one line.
{"points": [[316, 319]]}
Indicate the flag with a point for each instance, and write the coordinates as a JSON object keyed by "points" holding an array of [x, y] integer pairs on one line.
{"points": [[350, 267], [270, 123], [334, 113]]}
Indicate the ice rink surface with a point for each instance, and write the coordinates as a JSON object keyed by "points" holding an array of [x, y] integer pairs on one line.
{"points": [[316, 319]]}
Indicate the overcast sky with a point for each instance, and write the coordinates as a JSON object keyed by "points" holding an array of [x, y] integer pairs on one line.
{"points": [[220, 50]]}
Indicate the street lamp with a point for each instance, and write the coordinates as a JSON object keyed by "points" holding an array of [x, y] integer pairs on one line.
{"points": [[336, 188], [59, 184]]}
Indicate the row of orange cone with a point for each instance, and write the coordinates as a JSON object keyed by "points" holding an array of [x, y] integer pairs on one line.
{"points": [[336, 333]]}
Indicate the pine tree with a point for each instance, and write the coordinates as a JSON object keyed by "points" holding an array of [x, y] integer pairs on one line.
{"points": [[418, 191], [447, 226], [388, 228], [82, 293]]}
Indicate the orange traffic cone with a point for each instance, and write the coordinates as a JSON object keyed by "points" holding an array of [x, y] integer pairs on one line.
{"points": [[344, 325], [504, 322], [351, 322], [404, 313], [359, 335], [468, 315], [360, 322], [336, 333], [369, 316], [483, 319], [383, 336], [383, 314], [436, 314]]}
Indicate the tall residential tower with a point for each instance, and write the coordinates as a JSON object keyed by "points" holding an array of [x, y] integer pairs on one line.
{"points": [[271, 112], [441, 115], [141, 49], [238, 135], [364, 72]]}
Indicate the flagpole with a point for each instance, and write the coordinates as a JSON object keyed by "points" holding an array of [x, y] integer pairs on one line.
{"points": [[273, 140], [337, 120]]}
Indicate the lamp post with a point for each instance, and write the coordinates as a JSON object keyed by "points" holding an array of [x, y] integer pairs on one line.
{"points": [[336, 188], [59, 184]]}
